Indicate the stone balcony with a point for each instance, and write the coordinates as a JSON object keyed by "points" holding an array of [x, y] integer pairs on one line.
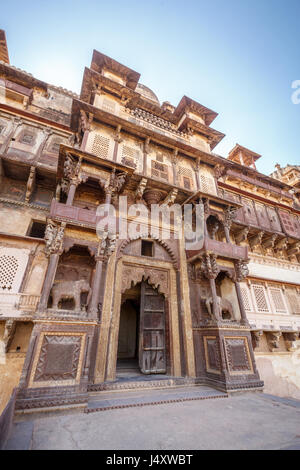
{"points": [[76, 214], [225, 250], [16, 304]]}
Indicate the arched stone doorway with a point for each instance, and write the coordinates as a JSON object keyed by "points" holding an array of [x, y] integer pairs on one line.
{"points": [[143, 338]]}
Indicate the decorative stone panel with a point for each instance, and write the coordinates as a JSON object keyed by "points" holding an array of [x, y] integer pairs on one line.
{"points": [[237, 354], [58, 360], [212, 354]]}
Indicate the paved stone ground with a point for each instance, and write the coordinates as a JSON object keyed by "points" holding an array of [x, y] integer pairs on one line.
{"points": [[246, 421]]}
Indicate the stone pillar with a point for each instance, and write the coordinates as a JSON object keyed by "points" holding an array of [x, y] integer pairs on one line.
{"points": [[93, 307], [241, 272], [118, 140], [196, 168], [71, 192], [229, 215], [54, 238], [146, 151], [174, 159], [213, 289], [210, 270], [49, 279]]}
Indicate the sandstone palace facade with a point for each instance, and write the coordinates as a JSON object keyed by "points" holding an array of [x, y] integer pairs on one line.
{"points": [[78, 311]]}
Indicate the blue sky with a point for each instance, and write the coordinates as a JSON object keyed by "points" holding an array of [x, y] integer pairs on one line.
{"points": [[237, 57]]}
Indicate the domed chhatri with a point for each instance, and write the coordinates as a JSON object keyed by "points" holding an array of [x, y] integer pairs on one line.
{"points": [[147, 93]]}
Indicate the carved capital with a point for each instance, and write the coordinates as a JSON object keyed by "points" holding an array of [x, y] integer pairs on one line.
{"points": [[229, 216], [256, 240], [219, 170], [241, 270], [209, 266], [54, 235], [170, 198], [241, 236], [106, 246], [140, 189], [290, 340]]}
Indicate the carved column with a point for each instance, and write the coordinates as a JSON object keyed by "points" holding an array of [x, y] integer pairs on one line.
{"points": [[229, 215], [105, 248], [54, 238], [241, 272], [30, 183], [174, 160], [210, 270], [71, 177], [196, 168], [72, 189], [118, 140], [146, 151]]}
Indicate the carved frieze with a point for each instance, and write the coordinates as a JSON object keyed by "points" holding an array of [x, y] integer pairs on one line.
{"points": [[157, 278]]}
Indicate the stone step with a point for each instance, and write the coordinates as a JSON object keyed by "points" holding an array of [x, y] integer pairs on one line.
{"points": [[103, 401]]}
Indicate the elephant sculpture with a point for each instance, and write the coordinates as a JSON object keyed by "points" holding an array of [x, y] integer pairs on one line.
{"points": [[70, 290], [225, 310]]}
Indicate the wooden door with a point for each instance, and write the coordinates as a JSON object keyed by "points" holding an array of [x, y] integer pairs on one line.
{"points": [[152, 345]]}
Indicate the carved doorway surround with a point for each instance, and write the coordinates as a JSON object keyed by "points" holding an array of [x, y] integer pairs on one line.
{"points": [[160, 275]]}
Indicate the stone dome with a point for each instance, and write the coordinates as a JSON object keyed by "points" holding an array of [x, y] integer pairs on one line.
{"points": [[147, 93]]}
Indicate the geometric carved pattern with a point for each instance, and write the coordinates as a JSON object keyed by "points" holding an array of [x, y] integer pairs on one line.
{"points": [[260, 297], [207, 185], [246, 299], [59, 357], [294, 300], [8, 270], [277, 298], [237, 354], [213, 354], [101, 146]]}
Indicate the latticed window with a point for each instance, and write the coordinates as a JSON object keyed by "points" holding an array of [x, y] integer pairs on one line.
{"points": [[100, 146], [159, 170], [186, 177], [294, 300], [207, 184], [8, 271], [246, 298], [260, 297], [277, 299], [129, 156], [108, 105]]}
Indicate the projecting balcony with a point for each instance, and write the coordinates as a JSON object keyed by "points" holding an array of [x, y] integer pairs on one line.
{"points": [[11, 304], [76, 214], [225, 250]]}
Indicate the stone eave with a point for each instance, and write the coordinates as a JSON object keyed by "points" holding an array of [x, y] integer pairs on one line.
{"points": [[34, 117], [101, 61], [88, 157], [239, 148], [91, 78], [214, 136], [144, 133], [220, 201], [21, 77], [186, 104]]}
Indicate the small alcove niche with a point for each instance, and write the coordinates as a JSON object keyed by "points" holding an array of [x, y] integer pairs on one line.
{"points": [[214, 228], [89, 195], [77, 264], [229, 303]]}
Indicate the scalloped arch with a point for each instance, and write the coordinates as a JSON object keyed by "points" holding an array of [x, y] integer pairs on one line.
{"points": [[161, 242]]}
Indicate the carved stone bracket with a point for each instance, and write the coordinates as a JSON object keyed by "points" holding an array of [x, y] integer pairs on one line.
{"points": [[229, 216], [241, 236], [9, 331], [219, 171], [170, 198], [294, 249], [140, 190], [106, 246], [241, 270], [30, 183], [281, 244], [269, 241], [256, 337], [273, 339], [256, 240], [290, 340], [54, 235], [209, 266]]}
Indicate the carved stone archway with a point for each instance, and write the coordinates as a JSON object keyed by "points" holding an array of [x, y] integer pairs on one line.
{"points": [[161, 242], [156, 278]]}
